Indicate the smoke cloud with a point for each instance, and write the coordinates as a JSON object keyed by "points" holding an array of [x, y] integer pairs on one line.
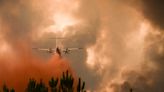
{"points": [[19, 21], [122, 42], [152, 10], [135, 55]]}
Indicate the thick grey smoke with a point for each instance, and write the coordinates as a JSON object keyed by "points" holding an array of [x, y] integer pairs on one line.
{"points": [[85, 36], [151, 80], [155, 52], [82, 35], [123, 55], [21, 20], [118, 37], [121, 50], [153, 11], [18, 21]]}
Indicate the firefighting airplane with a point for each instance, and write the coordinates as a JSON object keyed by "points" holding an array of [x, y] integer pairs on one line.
{"points": [[57, 50]]}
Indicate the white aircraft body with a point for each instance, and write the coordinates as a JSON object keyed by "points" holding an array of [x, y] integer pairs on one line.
{"points": [[58, 50]]}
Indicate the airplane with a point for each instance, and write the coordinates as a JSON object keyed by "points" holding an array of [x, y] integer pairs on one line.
{"points": [[57, 49]]}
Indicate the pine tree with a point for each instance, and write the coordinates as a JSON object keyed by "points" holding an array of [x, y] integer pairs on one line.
{"points": [[53, 84], [31, 87], [66, 82], [12, 90], [5, 88], [65, 85], [41, 87], [80, 88]]}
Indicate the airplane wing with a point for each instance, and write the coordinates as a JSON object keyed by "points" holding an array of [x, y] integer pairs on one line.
{"points": [[41, 49], [68, 50], [74, 48]]}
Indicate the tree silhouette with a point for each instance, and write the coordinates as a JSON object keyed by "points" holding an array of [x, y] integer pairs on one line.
{"points": [[41, 87], [66, 84], [12, 90], [5, 88], [31, 87], [131, 90], [53, 84], [80, 88]]}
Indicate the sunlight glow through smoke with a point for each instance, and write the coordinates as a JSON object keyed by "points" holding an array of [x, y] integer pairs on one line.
{"points": [[62, 21], [62, 16]]}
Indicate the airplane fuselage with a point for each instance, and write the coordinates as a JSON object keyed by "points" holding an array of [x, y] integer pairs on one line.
{"points": [[57, 50]]}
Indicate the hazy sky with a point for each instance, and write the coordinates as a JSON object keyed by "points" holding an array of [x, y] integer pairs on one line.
{"points": [[122, 41]]}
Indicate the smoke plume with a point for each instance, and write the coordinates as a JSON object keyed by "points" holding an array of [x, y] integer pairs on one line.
{"points": [[122, 41], [19, 20]]}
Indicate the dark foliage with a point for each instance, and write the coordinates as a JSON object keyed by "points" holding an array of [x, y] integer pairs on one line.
{"points": [[64, 84], [6, 89], [80, 88], [53, 84]]}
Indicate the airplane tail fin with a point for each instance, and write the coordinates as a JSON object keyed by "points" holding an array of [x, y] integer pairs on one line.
{"points": [[56, 38]]}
